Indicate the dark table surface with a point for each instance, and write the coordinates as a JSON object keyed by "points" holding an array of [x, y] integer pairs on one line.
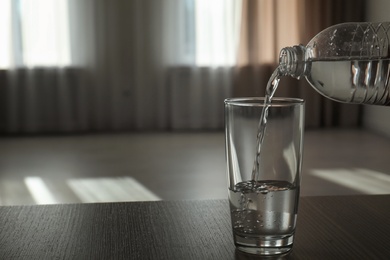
{"points": [[334, 227]]}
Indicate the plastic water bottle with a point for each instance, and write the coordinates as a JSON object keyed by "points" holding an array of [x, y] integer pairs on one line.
{"points": [[347, 63]]}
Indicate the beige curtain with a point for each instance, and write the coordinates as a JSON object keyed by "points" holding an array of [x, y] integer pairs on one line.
{"points": [[268, 26]]}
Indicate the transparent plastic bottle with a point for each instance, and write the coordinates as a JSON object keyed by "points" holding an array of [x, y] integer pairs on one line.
{"points": [[347, 62]]}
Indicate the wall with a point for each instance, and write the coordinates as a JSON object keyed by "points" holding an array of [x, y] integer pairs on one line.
{"points": [[377, 118]]}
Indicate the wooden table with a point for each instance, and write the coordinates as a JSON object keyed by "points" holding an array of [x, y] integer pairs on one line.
{"points": [[338, 227]]}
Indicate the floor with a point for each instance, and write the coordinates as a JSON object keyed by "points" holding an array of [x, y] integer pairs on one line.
{"points": [[174, 166]]}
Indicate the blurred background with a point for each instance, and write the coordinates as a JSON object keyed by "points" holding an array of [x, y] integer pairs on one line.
{"points": [[123, 100]]}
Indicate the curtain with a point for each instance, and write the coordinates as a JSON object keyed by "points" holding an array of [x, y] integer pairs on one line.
{"points": [[268, 26], [132, 65], [101, 65]]}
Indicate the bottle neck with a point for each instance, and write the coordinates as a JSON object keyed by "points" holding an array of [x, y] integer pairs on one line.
{"points": [[292, 61]]}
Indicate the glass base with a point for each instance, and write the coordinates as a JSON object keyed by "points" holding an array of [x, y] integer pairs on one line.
{"points": [[264, 245]]}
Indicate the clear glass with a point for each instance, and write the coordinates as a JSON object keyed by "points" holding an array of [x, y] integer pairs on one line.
{"points": [[264, 210], [346, 62]]}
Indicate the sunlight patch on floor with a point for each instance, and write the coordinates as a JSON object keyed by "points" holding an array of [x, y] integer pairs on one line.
{"points": [[90, 190], [363, 180], [39, 191]]}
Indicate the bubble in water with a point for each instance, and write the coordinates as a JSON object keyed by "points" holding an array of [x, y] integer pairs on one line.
{"points": [[251, 218]]}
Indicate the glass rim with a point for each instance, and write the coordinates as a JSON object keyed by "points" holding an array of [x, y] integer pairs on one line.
{"points": [[259, 101]]}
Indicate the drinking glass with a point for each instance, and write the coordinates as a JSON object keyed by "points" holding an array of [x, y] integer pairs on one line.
{"points": [[264, 177]]}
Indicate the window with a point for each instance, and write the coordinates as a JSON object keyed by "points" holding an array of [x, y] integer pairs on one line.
{"points": [[5, 33], [217, 31], [34, 33], [207, 31]]}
